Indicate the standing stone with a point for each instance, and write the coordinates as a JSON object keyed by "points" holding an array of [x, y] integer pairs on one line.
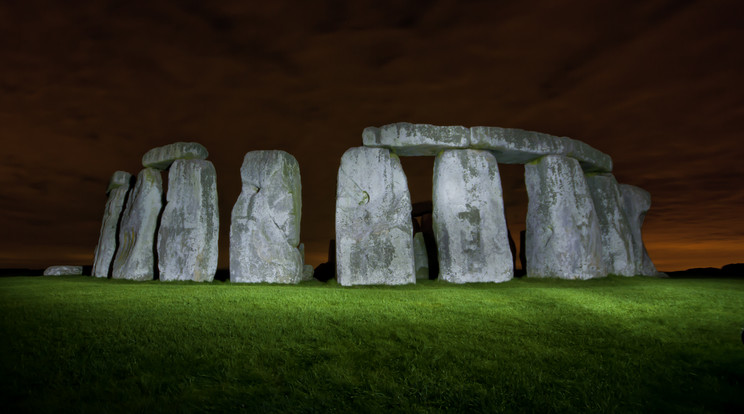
{"points": [[563, 237], [308, 272], [135, 257], [636, 203], [265, 227], [189, 227], [63, 271], [617, 242], [117, 191], [469, 221], [420, 258], [373, 220]]}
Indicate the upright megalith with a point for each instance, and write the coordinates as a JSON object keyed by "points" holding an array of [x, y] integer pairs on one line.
{"points": [[636, 203], [117, 191], [469, 221], [373, 220], [161, 158], [265, 226], [135, 256], [563, 236], [617, 245], [420, 258], [189, 227]]}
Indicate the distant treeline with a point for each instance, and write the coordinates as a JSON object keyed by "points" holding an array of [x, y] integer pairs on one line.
{"points": [[728, 271]]}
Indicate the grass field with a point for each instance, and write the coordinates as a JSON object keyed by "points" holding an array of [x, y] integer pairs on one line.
{"points": [[80, 344]]}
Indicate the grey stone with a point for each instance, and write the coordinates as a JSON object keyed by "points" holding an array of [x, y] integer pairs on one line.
{"points": [[469, 221], [636, 203], [617, 244], [373, 220], [189, 227], [516, 146], [563, 236], [119, 179], [420, 258], [162, 157], [265, 227], [63, 271], [135, 256], [117, 191], [404, 138], [307, 272]]}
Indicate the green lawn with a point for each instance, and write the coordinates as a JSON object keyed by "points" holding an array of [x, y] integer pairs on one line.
{"points": [[80, 344]]}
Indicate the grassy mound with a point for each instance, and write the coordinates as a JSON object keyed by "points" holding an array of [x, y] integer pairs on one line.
{"points": [[616, 344]]}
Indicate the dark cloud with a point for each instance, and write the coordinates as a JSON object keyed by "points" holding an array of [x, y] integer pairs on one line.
{"points": [[87, 88]]}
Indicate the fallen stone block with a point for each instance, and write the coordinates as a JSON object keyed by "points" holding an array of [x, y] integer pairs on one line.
{"points": [[63, 271]]}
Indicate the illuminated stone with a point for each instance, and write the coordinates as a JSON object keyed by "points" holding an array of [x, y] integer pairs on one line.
{"points": [[420, 257], [162, 157], [307, 270], [63, 271], [404, 138], [265, 227], [563, 236], [373, 220], [516, 146], [469, 221], [617, 245], [118, 190], [189, 227], [135, 257], [636, 203]]}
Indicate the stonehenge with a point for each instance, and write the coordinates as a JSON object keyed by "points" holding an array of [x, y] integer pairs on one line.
{"points": [[581, 223], [469, 221], [117, 191], [265, 221], [63, 271], [374, 233], [189, 226], [144, 235]]}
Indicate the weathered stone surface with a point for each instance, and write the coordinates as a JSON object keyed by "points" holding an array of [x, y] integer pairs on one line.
{"points": [[162, 157], [135, 256], [119, 179], [420, 258], [108, 238], [189, 227], [404, 138], [308, 272], [636, 203], [563, 236], [516, 146], [373, 220], [63, 271], [469, 221], [617, 244], [265, 227]]}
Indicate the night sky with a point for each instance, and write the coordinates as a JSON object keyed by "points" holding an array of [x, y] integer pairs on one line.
{"points": [[87, 89]]}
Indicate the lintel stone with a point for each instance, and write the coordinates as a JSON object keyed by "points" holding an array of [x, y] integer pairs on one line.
{"points": [[161, 158], [408, 139], [517, 146]]}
